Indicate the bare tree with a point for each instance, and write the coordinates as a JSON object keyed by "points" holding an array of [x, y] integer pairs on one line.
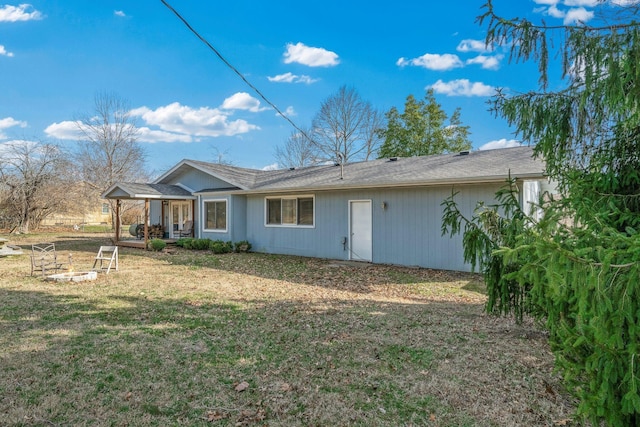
{"points": [[371, 134], [109, 152], [297, 151], [344, 128], [33, 183], [221, 157]]}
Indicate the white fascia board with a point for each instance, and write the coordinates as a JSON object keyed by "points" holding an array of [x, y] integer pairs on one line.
{"points": [[430, 183]]}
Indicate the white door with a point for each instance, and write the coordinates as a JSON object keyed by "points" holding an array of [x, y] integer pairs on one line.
{"points": [[360, 230], [180, 212]]}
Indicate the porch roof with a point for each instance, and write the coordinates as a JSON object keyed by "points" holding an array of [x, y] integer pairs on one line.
{"points": [[134, 190]]}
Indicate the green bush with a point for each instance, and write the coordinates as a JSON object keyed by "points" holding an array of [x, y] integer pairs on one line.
{"points": [[157, 244], [184, 242], [195, 244], [220, 247], [242, 246], [201, 244], [216, 246]]}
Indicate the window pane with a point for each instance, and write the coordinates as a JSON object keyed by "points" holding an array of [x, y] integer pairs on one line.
{"points": [[175, 211], [289, 211], [221, 215], [305, 211], [210, 215], [215, 215], [273, 211]]}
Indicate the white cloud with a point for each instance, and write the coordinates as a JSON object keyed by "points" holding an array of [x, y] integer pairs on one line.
{"points": [[64, 130], [271, 167], [310, 56], [554, 12], [500, 143], [624, 2], [242, 101], [175, 123], [462, 87], [577, 15], [469, 45], [9, 122], [146, 134], [24, 12], [432, 61], [119, 13], [202, 122], [292, 78], [4, 51], [486, 62], [290, 112], [585, 3]]}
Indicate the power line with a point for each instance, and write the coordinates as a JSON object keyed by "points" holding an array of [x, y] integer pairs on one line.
{"points": [[234, 69]]}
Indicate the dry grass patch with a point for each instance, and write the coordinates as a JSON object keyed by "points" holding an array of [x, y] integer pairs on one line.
{"points": [[252, 339]]}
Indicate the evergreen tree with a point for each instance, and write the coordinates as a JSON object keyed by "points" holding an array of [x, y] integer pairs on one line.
{"points": [[422, 130], [578, 269]]}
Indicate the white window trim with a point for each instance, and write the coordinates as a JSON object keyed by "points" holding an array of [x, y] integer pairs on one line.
{"points": [[204, 216], [298, 196]]}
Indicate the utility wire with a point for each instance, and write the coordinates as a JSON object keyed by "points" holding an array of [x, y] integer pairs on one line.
{"points": [[235, 70]]}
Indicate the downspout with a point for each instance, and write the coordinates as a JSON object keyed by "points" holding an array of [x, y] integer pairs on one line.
{"points": [[146, 224], [197, 229]]}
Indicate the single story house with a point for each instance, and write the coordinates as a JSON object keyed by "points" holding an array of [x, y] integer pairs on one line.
{"points": [[382, 211]]}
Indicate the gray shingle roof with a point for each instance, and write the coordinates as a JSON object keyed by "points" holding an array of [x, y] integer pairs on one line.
{"points": [[477, 166], [474, 167]]}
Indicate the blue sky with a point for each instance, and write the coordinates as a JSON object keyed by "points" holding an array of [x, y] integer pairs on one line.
{"points": [[55, 55]]}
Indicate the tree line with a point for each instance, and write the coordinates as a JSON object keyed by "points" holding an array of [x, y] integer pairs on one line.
{"points": [[38, 179], [348, 128]]}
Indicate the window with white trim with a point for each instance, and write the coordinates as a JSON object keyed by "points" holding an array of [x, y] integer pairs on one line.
{"points": [[290, 211], [531, 199], [215, 215]]}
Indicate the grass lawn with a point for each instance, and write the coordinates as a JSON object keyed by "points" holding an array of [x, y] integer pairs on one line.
{"points": [[193, 339]]}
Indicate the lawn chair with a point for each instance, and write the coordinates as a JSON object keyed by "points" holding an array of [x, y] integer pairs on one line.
{"points": [[187, 229], [106, 257], [44, 259]]}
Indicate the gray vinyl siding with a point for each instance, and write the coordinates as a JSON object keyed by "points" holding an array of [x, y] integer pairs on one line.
{"points": [[236, 218], [407, 232], [197, 180]]}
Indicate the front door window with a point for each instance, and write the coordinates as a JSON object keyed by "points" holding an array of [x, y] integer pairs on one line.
{"points": [[180, 212]]}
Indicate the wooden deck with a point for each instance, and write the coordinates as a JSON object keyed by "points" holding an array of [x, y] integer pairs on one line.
{"points": [[135, 243]]}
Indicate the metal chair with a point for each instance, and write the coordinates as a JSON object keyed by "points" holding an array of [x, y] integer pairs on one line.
{"points": [[107, 255], [187, 229], [44, 259]]}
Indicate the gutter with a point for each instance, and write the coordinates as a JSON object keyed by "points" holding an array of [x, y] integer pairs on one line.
{"points": [[430, 183]]}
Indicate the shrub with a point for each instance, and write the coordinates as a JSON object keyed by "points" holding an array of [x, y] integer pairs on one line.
{"points": [[220, 247], [185, 242], [201, 244], [157, 244], [242, 246]]}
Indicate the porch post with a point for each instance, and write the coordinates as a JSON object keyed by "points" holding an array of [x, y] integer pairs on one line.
{"points": [[146, 224], [117, 221], [193, 218]]}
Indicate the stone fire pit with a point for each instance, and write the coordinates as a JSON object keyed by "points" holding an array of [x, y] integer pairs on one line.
{"points": [[7, 250], [74, 276]]}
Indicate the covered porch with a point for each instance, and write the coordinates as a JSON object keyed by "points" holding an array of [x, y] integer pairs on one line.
{"points": [[169, 212]]}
